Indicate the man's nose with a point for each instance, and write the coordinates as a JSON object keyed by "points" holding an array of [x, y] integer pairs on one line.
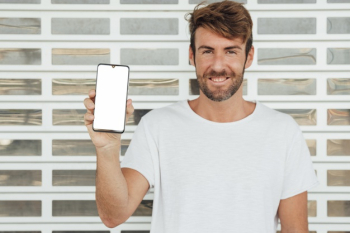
{"points": [[218, 63]]}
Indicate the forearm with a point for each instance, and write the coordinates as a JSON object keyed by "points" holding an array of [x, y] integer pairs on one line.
{"points": [[111, 186]]}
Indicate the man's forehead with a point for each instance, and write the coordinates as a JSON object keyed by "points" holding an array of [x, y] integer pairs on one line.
{"points": [[211, 38], [236, 43]]}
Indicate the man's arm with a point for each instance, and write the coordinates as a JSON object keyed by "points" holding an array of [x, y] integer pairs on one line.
{"points": [[293, 214], [111, 186], [119, 191]]}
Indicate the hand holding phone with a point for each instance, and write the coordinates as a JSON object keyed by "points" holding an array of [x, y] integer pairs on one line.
{"points": [[101, 139], [107, 109]]}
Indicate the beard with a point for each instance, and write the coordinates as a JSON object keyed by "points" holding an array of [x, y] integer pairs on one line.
{"points": [[220, 93]]}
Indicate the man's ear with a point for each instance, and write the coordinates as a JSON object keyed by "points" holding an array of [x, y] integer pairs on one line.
{"points": [[190, 53], [250, 58]]}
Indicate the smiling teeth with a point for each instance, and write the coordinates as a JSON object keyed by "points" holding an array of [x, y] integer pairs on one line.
{"points": [[218, 79]]}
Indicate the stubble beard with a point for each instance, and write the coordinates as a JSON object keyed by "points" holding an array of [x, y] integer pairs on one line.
{"points": [[220, 93]]}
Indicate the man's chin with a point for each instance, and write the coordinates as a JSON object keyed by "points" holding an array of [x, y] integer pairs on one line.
{"points": [[217, 100], [218, 97]]}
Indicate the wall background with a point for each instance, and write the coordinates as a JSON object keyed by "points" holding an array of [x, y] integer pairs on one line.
{"points": [[49, 50]]}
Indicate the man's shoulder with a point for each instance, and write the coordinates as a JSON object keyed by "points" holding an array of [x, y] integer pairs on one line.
{"points": [[164, 113], [277, 117]]}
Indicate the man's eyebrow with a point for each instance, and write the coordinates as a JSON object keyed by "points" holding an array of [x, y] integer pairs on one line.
{"points": [[230, 47]]}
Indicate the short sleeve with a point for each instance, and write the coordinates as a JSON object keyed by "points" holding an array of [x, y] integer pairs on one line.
{"points": [[299, 174], [139, 155]]}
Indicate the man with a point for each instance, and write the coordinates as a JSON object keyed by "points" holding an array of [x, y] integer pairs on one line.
{"points": [[217, 163]]}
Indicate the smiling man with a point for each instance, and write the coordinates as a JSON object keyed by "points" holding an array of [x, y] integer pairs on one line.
{"points": [[217, 163]]}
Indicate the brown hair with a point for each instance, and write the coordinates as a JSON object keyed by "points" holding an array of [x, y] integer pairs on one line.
{"points": [[227, 18]]}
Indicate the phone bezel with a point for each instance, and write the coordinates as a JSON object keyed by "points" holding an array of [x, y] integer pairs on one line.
{"points": [[127, 89]]}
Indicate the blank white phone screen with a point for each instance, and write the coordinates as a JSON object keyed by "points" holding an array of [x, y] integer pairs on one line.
{"points": [[111, 97]]}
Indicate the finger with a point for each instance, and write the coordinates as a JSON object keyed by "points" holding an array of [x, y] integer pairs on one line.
{"points": [[89, 105], [92, 93], [88, 118], [129, 101], [130, 109]]}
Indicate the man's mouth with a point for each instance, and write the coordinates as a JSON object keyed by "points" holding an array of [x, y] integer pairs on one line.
{"points": [[218, 79]]}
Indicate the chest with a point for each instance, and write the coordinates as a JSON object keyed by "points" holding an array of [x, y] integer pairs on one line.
{"points": [[227, 163]]}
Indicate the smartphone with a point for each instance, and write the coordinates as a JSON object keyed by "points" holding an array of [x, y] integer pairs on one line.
{"points": [[112, 83]]}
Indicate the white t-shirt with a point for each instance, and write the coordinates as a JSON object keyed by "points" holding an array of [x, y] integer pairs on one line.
{"points": [[219, 177]]}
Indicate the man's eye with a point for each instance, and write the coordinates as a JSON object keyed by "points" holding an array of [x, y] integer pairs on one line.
{"points": [[207, 51], [232, 52]]}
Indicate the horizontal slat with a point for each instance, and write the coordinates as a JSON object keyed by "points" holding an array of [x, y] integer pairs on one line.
{"points": [[252, 5]]}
